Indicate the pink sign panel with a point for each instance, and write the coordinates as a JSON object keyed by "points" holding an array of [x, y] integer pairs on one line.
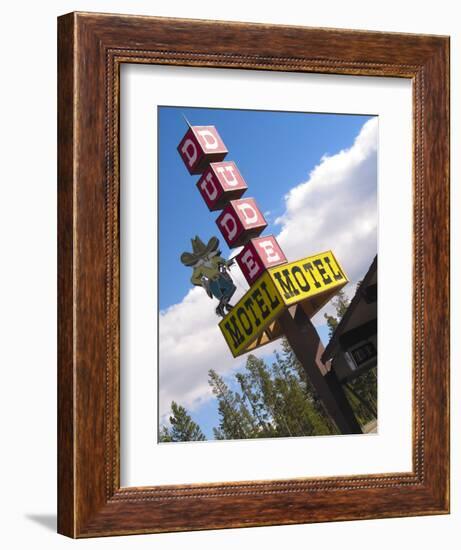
{"points": [[240, 221], [258, 255], [220, 183], [200, 146]]}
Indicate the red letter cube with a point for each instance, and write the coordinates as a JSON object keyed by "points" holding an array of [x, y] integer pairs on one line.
{"points": [[200, 146], [258, 255], [220, 183], [240, 221]]}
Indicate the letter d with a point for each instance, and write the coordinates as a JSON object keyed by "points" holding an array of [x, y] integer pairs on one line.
{"points": [[210, 143], [229, 225], [189, 151]]}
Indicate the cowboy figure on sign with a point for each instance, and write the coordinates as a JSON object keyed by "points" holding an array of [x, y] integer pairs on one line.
{"points": [[211, 271]]}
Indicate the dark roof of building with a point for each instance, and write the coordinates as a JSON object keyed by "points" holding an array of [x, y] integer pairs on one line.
{"points": [[359, 294]]}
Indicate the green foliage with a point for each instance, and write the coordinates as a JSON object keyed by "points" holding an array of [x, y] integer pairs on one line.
{"points": [[164, 435], [341, 303], [235, 420], [320, 419], [275, 400], [183, 428], [363, 395], [271, 401]]}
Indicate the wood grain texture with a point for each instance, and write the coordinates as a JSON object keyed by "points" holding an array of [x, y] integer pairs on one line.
{"points": [[66, 471], [91, 49]]}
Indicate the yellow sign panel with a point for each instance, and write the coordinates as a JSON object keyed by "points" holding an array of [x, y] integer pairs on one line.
{"points": [[277, 288], [308, 277], [251, 315]]}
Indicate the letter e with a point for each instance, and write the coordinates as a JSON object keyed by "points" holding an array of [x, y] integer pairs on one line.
{"points": [[252, 266]]}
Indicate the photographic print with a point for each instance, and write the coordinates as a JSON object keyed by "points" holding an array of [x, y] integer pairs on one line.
{"points": [[267, 287]]}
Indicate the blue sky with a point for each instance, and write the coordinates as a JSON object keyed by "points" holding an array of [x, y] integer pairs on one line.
{"points": [[274, 152]]}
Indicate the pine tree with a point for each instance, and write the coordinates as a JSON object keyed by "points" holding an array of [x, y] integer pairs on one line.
{"points": [[341, 303], [236, 421], [270, 391], [301, 396], [278, 399], [183, 428], [164, 435], [252, 396], [363, 390], [256, 390]]}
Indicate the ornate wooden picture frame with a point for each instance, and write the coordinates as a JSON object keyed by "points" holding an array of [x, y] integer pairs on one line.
{"points": [[92, 48]]}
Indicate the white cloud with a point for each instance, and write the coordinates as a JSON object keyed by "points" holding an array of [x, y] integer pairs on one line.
{"points": [[336, 208], [190, 344]]}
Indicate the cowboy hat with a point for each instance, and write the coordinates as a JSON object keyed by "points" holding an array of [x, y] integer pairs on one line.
{"points": [[199, 250]]}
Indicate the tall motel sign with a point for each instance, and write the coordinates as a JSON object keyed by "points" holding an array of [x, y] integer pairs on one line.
{"points": [[282, 297]]}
